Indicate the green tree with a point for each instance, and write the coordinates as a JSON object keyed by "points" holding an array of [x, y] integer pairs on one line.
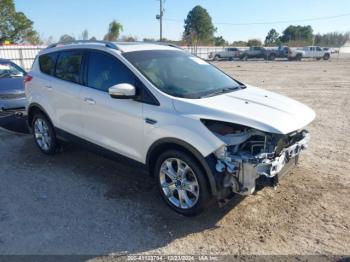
{"points": [[272, 38], [129, 38], [113, 31], [239, 43], [93, 38], [15, 26], [66, 38], [199, 27], [300, 35], [220, 41], [254, 42], [149, 40]]}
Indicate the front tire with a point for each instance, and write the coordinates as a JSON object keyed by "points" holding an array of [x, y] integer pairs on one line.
{"points": [[182, 183], [272, 57], [44, 134]]}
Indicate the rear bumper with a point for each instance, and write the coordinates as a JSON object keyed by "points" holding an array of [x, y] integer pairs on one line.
{"points": [[9, 104]]}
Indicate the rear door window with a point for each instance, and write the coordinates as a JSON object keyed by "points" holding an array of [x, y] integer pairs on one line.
{"points": [[105, 71], [47, 63], [69, 66]]}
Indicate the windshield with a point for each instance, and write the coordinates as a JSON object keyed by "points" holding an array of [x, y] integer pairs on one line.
{"points": [[181, 74], [8, 70]]}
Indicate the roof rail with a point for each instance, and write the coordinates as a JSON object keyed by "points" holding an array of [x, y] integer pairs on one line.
{"points": [[175, 46], [166, 44], [106, 43]]}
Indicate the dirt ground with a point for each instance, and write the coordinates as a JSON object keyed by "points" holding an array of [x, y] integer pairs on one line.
{"points": [[80, 203]]}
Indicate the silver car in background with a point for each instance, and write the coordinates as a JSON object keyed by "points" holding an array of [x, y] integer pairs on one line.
{"points": [[12, 96]]}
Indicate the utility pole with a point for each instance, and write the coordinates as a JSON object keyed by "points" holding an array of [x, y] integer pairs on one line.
{"points": [[160, 18]]}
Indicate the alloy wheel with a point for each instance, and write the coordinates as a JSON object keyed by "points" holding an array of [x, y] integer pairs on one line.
{"points": [[42, 134], [179, 183]]}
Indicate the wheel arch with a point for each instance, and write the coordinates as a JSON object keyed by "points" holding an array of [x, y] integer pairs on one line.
{"points": [[206, 163], [35, 108]]}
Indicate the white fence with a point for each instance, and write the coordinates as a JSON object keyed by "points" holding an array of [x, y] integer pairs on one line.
{"points": [[23, 55]]}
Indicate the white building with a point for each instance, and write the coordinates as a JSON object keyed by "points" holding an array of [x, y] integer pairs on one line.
{"points": [[345, 48]]}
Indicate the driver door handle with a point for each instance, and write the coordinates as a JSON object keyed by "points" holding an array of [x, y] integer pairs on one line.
{"points": [[89, 101]]}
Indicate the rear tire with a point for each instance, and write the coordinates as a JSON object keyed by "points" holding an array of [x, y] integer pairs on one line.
{"points": [[326, 56], [44, 134], [216, 58], [184, 189]]}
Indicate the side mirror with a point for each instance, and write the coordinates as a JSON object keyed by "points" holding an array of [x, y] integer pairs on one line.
{"points": [[122, 91]]}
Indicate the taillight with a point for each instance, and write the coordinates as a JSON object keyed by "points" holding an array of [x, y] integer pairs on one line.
{"points": [[27, 79]]}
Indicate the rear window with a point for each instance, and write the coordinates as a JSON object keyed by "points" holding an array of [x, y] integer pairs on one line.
{"points": [[10, 70], [47, 63], [69, 66]]}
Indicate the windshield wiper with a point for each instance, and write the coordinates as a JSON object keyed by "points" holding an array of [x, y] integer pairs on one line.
{"points": [[221, 91]]}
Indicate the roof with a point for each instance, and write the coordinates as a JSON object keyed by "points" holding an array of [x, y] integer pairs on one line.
{"points": [[141, 46], [5, 60], [121, 46]]}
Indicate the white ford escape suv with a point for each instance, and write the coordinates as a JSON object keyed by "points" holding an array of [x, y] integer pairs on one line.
{"points": [[199, 132]]}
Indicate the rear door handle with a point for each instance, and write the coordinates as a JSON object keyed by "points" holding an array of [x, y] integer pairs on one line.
{"points": [[49, 87], [150, 121], [89, 101]]}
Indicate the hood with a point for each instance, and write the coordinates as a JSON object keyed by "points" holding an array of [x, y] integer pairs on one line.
{"points": [[11, 85], [252, 107]]}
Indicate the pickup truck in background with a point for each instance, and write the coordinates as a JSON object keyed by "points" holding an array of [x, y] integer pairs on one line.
{"points": [[316, 52], [295, 54], [265, 53], [229, 53]]}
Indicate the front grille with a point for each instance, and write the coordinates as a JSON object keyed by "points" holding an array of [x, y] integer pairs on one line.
{"points": [[12, 96]]}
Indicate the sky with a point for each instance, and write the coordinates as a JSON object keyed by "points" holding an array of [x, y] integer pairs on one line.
{"points": [[234, 19]]}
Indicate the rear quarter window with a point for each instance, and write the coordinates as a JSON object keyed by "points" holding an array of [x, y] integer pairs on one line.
{"points": [[47, 63]]}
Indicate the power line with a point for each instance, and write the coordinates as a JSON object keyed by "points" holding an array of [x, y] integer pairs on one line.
{"points": [[272, 22]]}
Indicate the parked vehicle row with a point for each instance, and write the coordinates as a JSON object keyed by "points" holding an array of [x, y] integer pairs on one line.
{"points": [[257, 52], [12, 96], [316, 52], [227, 54]]}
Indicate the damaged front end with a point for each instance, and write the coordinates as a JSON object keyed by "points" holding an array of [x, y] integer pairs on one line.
{"points": [[251, 158]]}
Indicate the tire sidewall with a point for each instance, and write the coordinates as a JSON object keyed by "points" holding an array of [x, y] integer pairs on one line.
{"points": [[204, 195], [53, 144]]}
